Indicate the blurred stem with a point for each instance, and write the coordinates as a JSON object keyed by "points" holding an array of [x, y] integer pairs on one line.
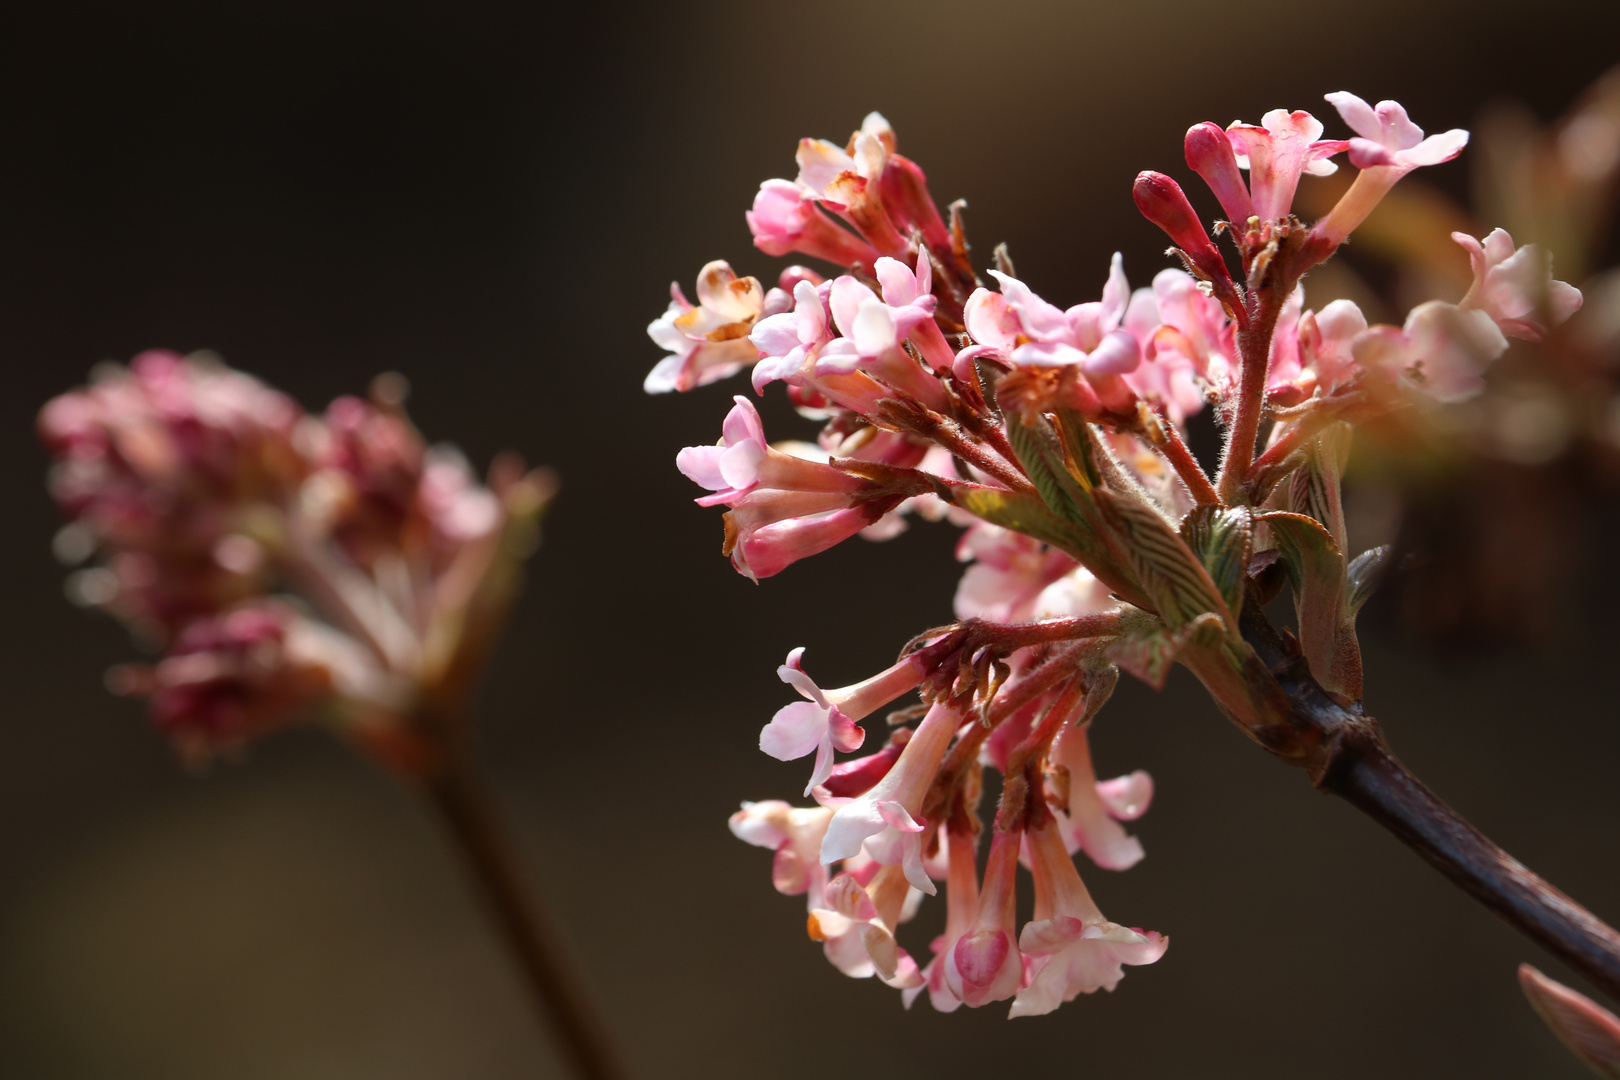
{"points": [[559, 993], [1345, 753]]}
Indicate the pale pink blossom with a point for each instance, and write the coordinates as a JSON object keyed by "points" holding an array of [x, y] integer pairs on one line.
{"points": [[790, 345], [1516, 288], [1385, 136], [1442, 350], [783, 508], [872, 332], [1194, 329], [1387, 147], [1326, 345], [794, 834], [849, 181], [884, 819], [1072, 948], [1166, 378], [828, 719], [985, 964], [708, 341], [785, 218], [1277, 152], [856, 924], [1095, 808], [961, 909]]}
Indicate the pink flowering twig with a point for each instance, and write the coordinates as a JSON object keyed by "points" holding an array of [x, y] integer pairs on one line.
{"points": [[1054, 437]]}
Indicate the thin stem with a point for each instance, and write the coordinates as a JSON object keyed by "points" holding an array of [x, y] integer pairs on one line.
{"points": [[559, 993], [1192, 474], [1254, 353]]}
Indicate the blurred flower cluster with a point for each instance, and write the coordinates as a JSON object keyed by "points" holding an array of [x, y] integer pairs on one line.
{"points": [[330, 567], [1055, 439], [1543, 438]]}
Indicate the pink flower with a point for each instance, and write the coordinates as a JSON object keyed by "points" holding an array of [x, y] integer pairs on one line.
{"points": [[1074, 950], [961, 909], [1167, 377], [985, 964], [1442, 350], [790, 344], [849, 181], [1515, 287], [874, 329], [163, 466], [783, 508], [1387, 147], [785, 218], [828, 719], [1285, 145], [1016, 579], [1194, 330], [884, 819], [1095, 809], [1326, 339], [857, 925], [710, 341], [1386, 137], [794, 834]]}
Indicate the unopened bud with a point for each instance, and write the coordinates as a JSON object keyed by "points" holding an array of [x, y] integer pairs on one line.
{"points": [[1210, 155], [1162, 202]]}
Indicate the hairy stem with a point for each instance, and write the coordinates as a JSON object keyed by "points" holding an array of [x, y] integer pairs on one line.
{"points": [[1254, 355], [1192, 474], [559, 993]]}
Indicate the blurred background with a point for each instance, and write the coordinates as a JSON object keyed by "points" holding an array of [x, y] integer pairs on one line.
{"points": [[493, 202]]}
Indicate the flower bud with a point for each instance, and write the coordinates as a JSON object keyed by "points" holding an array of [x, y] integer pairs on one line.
{"points": [[1210, 155]]}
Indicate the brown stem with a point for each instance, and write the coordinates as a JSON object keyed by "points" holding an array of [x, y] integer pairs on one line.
{"points": [[559, 993], [1368, 776], [1346, 754]]}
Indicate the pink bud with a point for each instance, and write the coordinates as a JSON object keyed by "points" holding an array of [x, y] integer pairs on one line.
{"points": [[1162, 202], [1210, 155]]}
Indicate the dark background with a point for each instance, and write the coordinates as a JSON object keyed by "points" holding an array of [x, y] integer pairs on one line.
{"points": [[494, 204]]}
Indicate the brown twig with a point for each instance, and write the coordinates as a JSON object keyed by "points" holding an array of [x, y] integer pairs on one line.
{"points": [[559, 994], [1346, 754], [1192, 474], [1254, 353]]}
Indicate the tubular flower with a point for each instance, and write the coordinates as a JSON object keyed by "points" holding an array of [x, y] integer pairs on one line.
{"points": [[827, 720], [708, 341], [203, 496], [1442, 350], [1090, 821], [1516, 288], [1074, 949], [1282, 148], [783, 508], [1387, 147]]}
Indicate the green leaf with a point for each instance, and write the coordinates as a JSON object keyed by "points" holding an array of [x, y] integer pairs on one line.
{"points": [[1363, 574], [1149, 654], [1223, 539], [1171, 575], [1327, 627], [1041, 455], [1314, 489]]}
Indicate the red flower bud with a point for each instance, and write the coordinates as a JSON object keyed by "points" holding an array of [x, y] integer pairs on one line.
{"points": [[1210, 155]]}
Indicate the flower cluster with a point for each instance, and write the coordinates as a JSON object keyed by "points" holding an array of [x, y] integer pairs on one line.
{"points": [[291, 565], [1054, 437]]}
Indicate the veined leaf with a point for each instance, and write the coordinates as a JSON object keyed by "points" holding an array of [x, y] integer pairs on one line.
{"points": [[1171, 575], [1149, 654], [1041, 455], [1031, 516], [1223, 539], [1314, 489], [1327, 627]]}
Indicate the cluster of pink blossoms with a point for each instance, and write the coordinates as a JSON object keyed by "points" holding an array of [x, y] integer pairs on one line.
{"points": [[1054, 438], [291, 565]]}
